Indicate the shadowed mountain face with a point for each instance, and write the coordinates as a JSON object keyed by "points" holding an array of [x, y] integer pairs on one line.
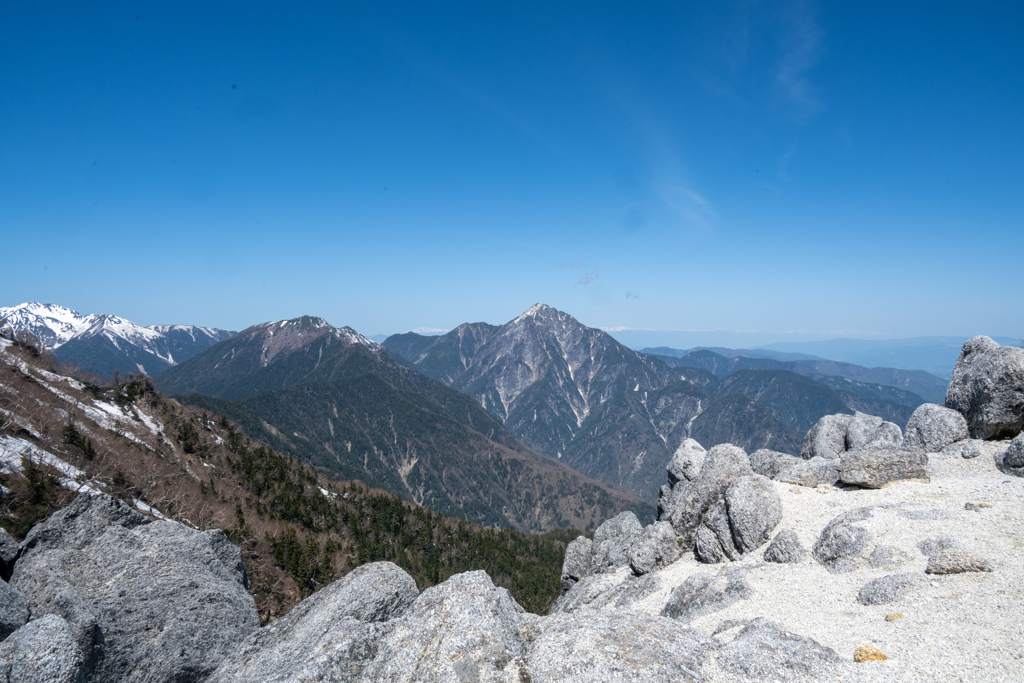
{"points": [[343, 403], [617, 415]]}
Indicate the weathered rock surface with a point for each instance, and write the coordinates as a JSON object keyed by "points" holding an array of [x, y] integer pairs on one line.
{"points": [[764, 652], [657, 546], [827, 438], [168, 602], [689, 500], [987, 388], [8, 552], [615, 646], [826, 471], [703, 593], [933, 427], [785, 548], [865, 430], [330, 635], [613, 539], [464, 629], [686, 462], [842, 541], [713, 541], [956, 561], [877, 466], [13, 610], [801, 473], [579, 558], [1011, 461], [755, 509], [769, 463], [886, 589], [42, 650]]}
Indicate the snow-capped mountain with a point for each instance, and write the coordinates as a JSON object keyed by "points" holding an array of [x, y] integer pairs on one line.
{"points": [[101, 343]]}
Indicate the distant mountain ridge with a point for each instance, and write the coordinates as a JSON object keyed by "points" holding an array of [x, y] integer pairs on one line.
{"points": [[343, 403], [919, 382], [616, 414], [102, 344]]}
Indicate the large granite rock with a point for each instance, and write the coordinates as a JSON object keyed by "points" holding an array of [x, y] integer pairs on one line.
{"points": [[579, 559], [464, 629], [8, 552], [785, 548], [933, 427], [44, 650], [987, 388], [755, 509], [607, 646], [764, 652], [613, 539], [690, 500], [769, 463], [956, 561], [888, 589], [703, 593], [658, 546], [144, 600], [13, 610], [833, 435], [842, 542], [686, 462], [827, 438], [876, 466], [1011, 461], [330, 635]]}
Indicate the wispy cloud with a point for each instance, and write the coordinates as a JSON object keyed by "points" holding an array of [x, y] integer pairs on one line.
{"points": [[574, 264], [632, 295], [801, 48], [430, 330], [587, 279]]}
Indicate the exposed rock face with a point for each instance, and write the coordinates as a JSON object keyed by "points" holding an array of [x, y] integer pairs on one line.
{"points": [[933, 427], [579, 557], [616, 646], [955, 561], [876, 466], [842, 541], [8, 552], [689, 500], [801, 473], [754, 511], [764, 652], [613, 539], [169, 602], [43, 650], [987, 388], [330, 635], [13, 610], [887, 589], [827, 438], [1011, 461], [833, 435], [464, 629], [826, 471], [785, 548], [657, 546], [769, 463], [686, 463], [703, 593]]}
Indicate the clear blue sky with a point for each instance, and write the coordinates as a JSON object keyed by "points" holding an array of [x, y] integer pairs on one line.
{"points": [[830, 168]]}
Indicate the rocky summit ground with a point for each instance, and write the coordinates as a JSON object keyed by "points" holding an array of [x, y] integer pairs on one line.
{"points": [[966, 626]]}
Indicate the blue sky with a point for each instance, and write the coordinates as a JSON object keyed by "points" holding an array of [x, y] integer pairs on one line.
{"points": [[784, 169]]}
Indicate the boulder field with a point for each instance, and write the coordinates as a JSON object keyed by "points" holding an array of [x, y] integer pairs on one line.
{"points": [[875, 555]]}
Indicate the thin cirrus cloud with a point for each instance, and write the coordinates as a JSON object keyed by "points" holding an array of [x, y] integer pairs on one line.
{"points": [[587, 279], [801, 48]]}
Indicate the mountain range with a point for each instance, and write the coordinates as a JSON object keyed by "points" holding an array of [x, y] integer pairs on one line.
{"points": [[617, 415], [341, 402], [103, 344]]}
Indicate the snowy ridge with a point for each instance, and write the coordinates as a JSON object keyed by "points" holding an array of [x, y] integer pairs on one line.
{"points": [[120, 342]]}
